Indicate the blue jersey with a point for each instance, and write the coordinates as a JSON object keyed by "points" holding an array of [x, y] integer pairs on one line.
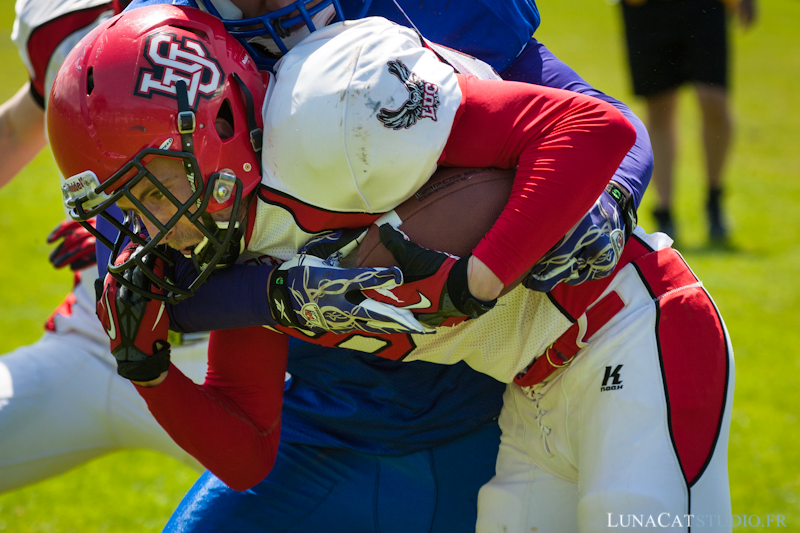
{"points": [[496, 32], [493, 31]]}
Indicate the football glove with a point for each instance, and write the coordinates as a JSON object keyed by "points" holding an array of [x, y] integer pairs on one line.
{"points": [[77, 249], [310, 292], [137, 327], [435, 284], [589, 251]]}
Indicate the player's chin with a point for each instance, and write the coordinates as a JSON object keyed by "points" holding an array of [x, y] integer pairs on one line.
{"points": [[184, 240], [184, 246]]}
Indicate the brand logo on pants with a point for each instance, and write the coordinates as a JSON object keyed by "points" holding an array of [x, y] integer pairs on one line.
{"points": [[613, 375]]}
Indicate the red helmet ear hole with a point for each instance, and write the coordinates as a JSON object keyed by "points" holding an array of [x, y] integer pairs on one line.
{"points": [[197, 32], [224, 123], [90, 81]]}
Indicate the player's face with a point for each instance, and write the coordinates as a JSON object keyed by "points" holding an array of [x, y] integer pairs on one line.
{"points": [[170, 172]]}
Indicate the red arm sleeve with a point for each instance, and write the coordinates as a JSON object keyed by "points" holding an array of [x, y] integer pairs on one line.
{"points": [[231, 423], [566, 147]]}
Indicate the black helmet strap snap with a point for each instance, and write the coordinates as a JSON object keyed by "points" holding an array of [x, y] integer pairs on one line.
{"points": [[187, 122], [256, 134]]}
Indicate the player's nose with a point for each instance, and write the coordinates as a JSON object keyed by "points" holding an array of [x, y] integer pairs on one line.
{"points": [[150, 226]]}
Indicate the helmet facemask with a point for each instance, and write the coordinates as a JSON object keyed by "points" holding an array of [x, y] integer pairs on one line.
{"points": [[268, 37], [223, 240], [152, 84], [220, 247]]}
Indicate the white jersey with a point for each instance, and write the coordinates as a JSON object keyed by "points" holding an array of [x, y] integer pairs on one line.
{"points": [[353, 103], [346, 130], [354, 122], [46, 30]]}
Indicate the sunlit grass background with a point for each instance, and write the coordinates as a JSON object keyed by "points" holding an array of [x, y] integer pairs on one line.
{"points": [[754, 283]]}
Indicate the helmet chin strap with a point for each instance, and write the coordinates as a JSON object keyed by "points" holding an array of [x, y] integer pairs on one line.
{"points": [[186, 126], [256, 135], [201, 255]]}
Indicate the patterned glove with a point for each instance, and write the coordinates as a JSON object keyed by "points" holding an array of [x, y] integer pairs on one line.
{"points": [[137, 327], [311, 293], [589, 251], [435, 285], [77, 249]]}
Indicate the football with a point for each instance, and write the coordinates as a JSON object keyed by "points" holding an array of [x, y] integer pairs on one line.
{"points": [[451, 213]]}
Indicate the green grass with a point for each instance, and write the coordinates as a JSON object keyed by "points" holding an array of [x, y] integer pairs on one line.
{"points": [[753, 282]]}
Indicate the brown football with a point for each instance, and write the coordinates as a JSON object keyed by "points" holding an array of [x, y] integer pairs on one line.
{"points": [[451, 213]]}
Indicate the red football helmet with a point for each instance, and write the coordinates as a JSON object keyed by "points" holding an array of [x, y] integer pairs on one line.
{"points": [[150, 83]]}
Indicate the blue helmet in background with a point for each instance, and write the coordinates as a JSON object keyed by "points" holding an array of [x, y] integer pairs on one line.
{"points": [[268, 37]]}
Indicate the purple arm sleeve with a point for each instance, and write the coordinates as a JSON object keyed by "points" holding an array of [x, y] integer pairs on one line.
{"points": [[537, 65], [231, 298]]}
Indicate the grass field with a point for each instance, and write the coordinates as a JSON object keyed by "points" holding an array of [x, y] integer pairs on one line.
{"points": [[754, 282]]}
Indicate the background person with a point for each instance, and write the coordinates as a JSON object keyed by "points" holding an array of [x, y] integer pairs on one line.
{"points": [[671, 43], [61, 401]]}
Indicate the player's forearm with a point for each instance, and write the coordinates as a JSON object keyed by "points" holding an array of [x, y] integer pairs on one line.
{"points": [[566, 147], [231, 424], [21, 133], [212, 430], [538, 65], [232, 298]]}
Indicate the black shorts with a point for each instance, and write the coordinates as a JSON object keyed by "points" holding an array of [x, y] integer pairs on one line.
{"points": [[671, 42]]}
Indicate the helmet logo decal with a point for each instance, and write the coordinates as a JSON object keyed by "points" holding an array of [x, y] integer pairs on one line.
{"points": [[423, 99], [175, 59]]}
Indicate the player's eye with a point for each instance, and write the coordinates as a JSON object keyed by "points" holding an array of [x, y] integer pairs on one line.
{"points": [[156, 195]]}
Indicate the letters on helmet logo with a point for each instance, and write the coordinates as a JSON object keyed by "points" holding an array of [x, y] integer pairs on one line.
{"points": [[175, 59], [423, 99]]}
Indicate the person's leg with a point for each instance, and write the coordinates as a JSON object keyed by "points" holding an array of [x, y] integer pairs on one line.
{"points": [[312, 489], [708, 70], [522, 496], [655, 395], [661, 123], [52, 409], [63, 404], [637, 422], [717, 132], [654, 36]]}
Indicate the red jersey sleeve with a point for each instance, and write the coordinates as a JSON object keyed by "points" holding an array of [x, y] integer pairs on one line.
{"points": [[566, 147], [230, 423]]}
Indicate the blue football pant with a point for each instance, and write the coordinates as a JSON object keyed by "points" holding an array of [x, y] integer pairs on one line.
{"points": [[314, 489]]}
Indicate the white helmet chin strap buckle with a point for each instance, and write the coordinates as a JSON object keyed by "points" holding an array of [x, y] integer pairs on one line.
{"points": [[84, 187], [224, 186]]}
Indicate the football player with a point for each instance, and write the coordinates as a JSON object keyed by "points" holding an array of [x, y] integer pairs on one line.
{"points": [[313, 428], [70, 330], [157, 192], [53, 416], [406, 431], [652, 315], [317, 427]]}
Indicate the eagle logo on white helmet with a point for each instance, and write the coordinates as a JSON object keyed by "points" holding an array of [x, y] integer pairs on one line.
{"points": [[423, 99], [175, 59]]}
